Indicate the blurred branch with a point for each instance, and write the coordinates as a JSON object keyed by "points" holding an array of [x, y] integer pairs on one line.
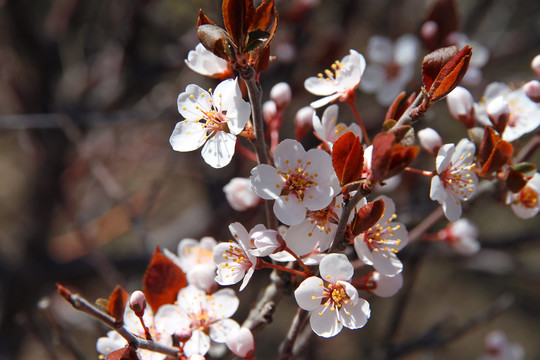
{"points": [[441, 333]]}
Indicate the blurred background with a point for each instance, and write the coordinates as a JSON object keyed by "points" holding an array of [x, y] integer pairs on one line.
{"points": [[89, 184]]}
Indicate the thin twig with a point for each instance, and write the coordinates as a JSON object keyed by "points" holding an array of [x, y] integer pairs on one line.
{"points": [[81, 304], [298, 324]]}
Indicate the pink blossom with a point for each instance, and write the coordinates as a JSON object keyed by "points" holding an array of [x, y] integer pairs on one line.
{"points": [[240, 195], [379, 245], [461, 236], [525, 203], [455, 180], [338, 83], [300, 181], [331, 300]]}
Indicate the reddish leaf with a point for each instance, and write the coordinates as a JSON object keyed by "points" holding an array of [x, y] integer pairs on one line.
{"points": [[117, 303], [265, 19], [236, 18], [263, 59], [515, 181], [402, 156], [451, 74], [367, 216], [445, 15], [433, 64], [493, 152], [162, 281], [203, 19], [382, 152], [127, 353], [348, 158]]}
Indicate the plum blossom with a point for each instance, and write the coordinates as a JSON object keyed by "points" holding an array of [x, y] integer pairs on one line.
{"points": [[240, 195], [461, 106], [430, 140], [332, 301], [455, 179], [379, 245], [338, 83], [524, 113], [300, 181], [237, 260], [381, 285], [391, 66], [461, 236], [207, 316], [319, 227], [132, 323], [535, 64], [241, 343], [328, 130], [206, 63], [525, 203], [196, 259], [212, 120], [498, 347]]}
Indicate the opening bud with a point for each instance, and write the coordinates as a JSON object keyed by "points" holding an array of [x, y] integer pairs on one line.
{"points": [[303, 121], [535, 64], [269, 111], [137, 303], [498, 112], [430, 140], [281, 94], [532, 89], [183, 334], [461, 106]]}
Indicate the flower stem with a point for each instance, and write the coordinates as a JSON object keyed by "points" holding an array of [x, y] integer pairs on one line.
{"points": [[264, 264], [419, 172], [304, 266], [246, 152], [351, 101]]}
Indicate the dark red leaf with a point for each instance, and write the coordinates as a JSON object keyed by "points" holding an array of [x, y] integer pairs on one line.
{"points": [[162, 281], [117, 303], [494, 152], [451, 74], [367, 217], [515, 181], [127, 353], [433, 64], [348, 158], [262, 59], [382, 151], [203, 19], [265, 19], [236, 18]]}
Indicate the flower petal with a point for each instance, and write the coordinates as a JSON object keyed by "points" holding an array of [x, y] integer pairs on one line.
{"points": [[309, 292], [219, 149], [187, 136], [336, 267], [289, 210]]}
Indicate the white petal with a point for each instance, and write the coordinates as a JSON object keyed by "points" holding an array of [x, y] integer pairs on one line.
{"points": [[205, 62], [386, 263], [444, 157], [437, 191], [380, 49], [452, 208], [194, 103], [336, 267], [309, 292], [289, 210], [223, 303], [319, 86], [220, 329], [199, 343], [300, 239], [219, 149], [187, 136], [266, 182], [358, 316], [325, 323], [318, 197], [324, 101], [406, 49], [287, 153]]}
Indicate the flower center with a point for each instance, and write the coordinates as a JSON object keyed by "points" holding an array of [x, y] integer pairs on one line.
{"points": [[378, 237], [297, 180], [200, 256], [334, 296], [392, 70], [457, 177], [528, 197], [331, 75]]}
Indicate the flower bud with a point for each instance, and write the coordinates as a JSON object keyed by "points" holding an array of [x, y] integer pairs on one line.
{"points": [[240, 195], [281, 94], [498, 112], [461, 106], [183, 334], [535, 64], [430, 140], [137, 303], [269, 111], [241, 343], [303, 121], [532, 89]]}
